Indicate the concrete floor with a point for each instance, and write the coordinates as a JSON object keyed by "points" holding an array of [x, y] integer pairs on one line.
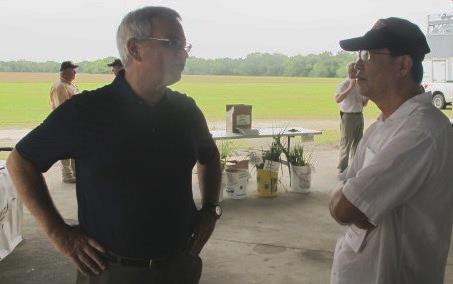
{"points": [[287, 239]]}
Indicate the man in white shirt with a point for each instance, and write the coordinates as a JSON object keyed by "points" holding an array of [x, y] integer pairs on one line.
{"points": [[351, 105], [396, 200]]}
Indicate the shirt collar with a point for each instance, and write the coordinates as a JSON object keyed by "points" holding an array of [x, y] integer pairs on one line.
{"points": [[65, 81], [126, 91], [408, 106]]}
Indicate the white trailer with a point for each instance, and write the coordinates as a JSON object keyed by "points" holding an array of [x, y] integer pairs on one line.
{"points": [[438, 64], [438, 79]]}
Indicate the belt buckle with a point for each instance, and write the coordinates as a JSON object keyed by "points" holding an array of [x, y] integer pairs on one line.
{"points": [[150, 263]]}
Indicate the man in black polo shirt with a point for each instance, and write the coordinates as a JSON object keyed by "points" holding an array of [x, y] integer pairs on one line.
{"points": [[135, 143]]}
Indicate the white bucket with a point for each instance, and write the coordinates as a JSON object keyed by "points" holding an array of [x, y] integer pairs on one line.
{"points": [[300, 179], [236, 183]]}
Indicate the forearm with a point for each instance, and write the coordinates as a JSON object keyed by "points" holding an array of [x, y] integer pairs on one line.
{"points": [[345, 213], [339, 97], [209, 176], [32, 190], [333, 205]]}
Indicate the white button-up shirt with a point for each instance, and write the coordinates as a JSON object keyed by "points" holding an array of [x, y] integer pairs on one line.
{"points": [[401, 179], [353, 101]]}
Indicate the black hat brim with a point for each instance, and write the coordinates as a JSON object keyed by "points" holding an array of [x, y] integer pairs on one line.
{"points": [[373, 39], [355, 44]]}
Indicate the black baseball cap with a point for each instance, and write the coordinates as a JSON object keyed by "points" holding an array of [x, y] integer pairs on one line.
{"points": [[67, 64], [116, 62], [400, 36]]}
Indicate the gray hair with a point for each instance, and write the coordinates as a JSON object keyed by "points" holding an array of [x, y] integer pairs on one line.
{"points": [[138, 24]]}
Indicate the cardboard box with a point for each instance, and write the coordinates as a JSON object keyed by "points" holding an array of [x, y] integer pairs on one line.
{"points": [[238, 116], [236, 163]]}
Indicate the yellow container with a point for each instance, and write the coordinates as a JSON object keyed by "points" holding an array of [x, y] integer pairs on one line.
{"points": [[266, 182]]}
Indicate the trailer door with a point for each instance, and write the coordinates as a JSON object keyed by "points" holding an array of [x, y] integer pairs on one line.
{"points": [[439, 71]]}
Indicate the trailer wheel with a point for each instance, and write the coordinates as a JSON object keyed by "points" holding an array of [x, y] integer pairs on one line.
{"points": [[439, 101]]}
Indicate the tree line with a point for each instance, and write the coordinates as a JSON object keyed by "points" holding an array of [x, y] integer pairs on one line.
{"points": [[325, 64]]}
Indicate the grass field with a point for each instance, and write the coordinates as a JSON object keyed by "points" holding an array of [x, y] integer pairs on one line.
{"points": [[24, 98]]}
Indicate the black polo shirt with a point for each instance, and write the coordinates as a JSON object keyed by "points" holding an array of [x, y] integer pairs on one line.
{"points": [[133, 162]]}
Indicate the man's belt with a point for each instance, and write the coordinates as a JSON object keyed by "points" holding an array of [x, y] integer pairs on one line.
{"points": [[127, 261]]}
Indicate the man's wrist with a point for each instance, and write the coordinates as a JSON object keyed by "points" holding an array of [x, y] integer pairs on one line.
{"points": [[211, 203], [213, 208]]}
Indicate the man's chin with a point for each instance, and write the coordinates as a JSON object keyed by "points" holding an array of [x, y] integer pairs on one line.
{"points": [[170, 80]]}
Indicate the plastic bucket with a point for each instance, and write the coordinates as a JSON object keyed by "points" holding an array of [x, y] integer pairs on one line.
{"points": [[271, 166], [300, 179], [236, 183], [266, 182]]}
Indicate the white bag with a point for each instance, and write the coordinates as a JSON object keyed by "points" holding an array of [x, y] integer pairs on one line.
{"points": [[10, 214]]}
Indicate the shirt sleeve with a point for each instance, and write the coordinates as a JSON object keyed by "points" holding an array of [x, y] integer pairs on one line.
{"points": [[205, 146], [343, 86], [61, 95], [392, 176], [56, 138]]}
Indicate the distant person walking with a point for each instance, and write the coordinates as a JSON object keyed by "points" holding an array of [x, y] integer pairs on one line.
{"points": [[116, 65], [351, 105], [61, 91]]}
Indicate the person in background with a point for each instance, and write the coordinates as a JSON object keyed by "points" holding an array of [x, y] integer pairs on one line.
{"points": [[351, 105], [61, 91], [116, 65]]}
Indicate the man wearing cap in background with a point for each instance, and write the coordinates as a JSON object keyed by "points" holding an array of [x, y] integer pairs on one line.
{"points": [[116, 66], [61, 91], [397, 198]]}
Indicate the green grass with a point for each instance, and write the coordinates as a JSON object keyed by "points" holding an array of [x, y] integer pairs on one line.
{"points": [[273, 98], [25, 103]]}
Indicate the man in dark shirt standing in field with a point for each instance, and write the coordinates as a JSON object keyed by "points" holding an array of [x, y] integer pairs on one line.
{"points": [[135, 143]]}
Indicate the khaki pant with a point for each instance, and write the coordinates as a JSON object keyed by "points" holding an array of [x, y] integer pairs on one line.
{"points": [[182, 269], [351, 132], [68, 168]]}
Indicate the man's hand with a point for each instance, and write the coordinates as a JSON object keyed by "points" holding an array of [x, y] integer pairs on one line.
{"points": [[81, 250], [345, 213], [203, 231]]}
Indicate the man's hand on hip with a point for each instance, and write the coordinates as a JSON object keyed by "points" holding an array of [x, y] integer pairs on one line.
{"points": [[79, 249], [203, 231]]}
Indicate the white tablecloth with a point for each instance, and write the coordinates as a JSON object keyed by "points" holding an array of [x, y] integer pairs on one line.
{"points": [[10, 214]]}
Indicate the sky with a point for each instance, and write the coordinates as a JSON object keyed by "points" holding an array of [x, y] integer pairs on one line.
{"points": [[42, 30]]}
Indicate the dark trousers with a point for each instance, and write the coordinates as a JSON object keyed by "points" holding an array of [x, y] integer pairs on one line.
{"points": [[181, 269]]}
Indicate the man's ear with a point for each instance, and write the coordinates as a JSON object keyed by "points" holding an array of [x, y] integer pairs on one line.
{"points": [[133, 48], [405, 64]]}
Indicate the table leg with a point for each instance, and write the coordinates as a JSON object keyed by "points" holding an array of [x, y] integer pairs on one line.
{"points": [[289, 166]]}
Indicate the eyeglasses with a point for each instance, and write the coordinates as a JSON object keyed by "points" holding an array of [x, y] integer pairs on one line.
{"points": [[175, 44], [365, 55]]}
